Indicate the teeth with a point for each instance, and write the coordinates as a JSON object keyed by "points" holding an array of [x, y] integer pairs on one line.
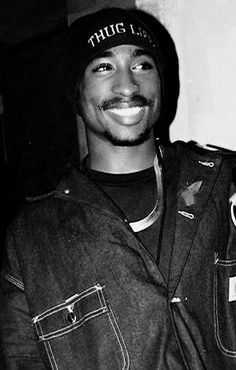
{"points": [[126, 112]]}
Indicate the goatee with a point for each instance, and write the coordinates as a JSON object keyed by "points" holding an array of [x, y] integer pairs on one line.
{"points": [[128, 142]]}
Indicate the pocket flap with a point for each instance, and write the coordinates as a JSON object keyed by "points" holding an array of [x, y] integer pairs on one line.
{"points": [[70, 314]]}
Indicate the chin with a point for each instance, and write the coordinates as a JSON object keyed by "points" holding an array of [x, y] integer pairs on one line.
{"points": [[138, 140]]}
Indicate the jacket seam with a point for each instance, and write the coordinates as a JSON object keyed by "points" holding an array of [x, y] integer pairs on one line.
{"points": [[49, 349], [51, 355], [104, 211], [120, 340], [63, 305], [11, 279]]}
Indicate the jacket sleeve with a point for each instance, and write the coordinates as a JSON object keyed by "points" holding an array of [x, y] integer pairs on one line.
{"points": [[19, 349]]}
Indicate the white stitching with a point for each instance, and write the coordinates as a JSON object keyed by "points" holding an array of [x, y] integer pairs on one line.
{"points": [[102, 298], [45, 345], [119, 338], [49, 357], [99, 297], [72, 327], [47, 348], [216, 322], [63, 305], [50, 348], [13, 280], [36, 327], [226, 262], [104, 308]]}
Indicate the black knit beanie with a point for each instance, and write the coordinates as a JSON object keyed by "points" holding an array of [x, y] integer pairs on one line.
{"points": [[92, 34]]}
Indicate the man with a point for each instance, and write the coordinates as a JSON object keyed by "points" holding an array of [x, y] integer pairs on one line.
{"points": [[131, 262]]}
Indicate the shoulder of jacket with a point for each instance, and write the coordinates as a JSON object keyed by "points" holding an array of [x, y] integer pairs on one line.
{"points": [[63, 181], [37, 197], [210, 153], [208, 148], [205, 150], [71, 183]]}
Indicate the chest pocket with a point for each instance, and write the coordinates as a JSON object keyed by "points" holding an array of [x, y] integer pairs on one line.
{"points": [[225, 306], [82, 333]]}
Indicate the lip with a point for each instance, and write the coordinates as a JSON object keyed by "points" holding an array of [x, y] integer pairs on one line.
{"points": [[126, 115]]}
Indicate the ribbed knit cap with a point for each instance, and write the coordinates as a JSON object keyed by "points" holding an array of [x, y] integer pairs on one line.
{"points": [[94, 33]]}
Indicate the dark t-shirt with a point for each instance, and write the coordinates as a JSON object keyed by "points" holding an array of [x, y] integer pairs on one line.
{"points": [[135, 195]]}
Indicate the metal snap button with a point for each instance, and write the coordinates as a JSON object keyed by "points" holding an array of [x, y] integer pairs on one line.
{"points": [[71, 317]]}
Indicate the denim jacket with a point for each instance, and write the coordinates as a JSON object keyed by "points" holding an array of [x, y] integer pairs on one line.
{"points": [[80, 291]]}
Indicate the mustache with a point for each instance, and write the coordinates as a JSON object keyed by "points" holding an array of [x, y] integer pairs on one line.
{"points": [[134, 100]]}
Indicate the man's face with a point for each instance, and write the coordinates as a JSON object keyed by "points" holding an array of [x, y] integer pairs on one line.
{"points": [[119, 96]]}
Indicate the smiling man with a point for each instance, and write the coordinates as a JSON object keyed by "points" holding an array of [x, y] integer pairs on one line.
{"points": [[119, 101], [119, 95], [116, 66], [130, 262]]}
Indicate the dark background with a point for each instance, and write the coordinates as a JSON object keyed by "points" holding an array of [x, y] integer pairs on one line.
{"points": [[39, 132]]}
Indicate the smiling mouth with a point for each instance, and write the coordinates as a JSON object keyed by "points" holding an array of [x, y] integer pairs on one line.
{"points": [[127, 112]]}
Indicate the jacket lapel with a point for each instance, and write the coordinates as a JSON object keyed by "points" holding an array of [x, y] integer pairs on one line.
{"points": [[197, 176]]}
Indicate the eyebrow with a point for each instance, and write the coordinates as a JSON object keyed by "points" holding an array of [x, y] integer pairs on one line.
{"points": [[103, 54], [141, 51]]}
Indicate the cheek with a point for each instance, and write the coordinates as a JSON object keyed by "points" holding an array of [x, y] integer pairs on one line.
{"points": [[92, 94], [155, 85], [151, 86], [85, 98], [89, 108]]}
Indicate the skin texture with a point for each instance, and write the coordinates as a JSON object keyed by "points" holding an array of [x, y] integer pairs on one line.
{"points": [[119, 101]]}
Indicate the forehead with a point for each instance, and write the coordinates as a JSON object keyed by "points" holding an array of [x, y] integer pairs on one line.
{"points": [[131, 51]]}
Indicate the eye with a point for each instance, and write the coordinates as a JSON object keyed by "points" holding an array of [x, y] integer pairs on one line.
{"points": [[102, 67], [144, 66]]}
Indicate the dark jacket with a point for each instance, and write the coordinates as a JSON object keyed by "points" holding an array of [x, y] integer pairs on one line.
{"points": [[80, 291]]}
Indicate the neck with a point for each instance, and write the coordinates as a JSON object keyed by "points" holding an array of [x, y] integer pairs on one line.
{"points": [[106, 157]]}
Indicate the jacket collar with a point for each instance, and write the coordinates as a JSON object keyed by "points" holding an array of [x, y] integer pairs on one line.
{"points": [[78, 187]]}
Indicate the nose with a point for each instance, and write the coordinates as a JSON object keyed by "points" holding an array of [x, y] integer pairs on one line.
{"points": [[125, 83]]}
